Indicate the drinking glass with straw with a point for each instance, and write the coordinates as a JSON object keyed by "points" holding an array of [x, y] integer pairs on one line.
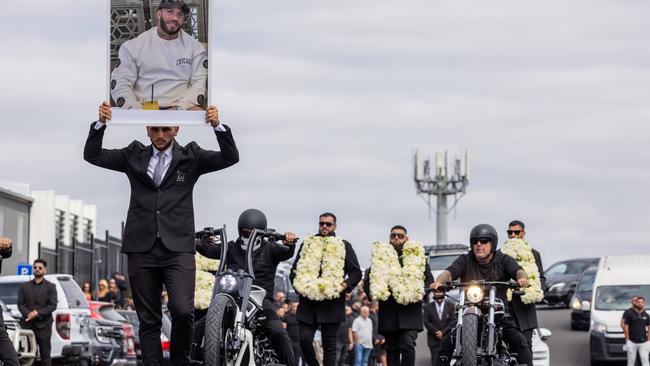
{"points": [[151, 104]]}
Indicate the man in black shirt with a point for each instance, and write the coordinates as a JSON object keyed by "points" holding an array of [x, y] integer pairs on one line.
{"points": [[36, 301], [266, 257], [635, 329], [7, 350], [484, 262], [344, 343]]}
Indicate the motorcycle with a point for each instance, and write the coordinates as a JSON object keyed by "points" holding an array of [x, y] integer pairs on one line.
{"points": [[233, 330], [477, 337]]}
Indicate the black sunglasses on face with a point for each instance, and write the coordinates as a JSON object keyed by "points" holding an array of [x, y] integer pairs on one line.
{"points": [[513, 232], [397, 235], [326, 224], [482, 241]]}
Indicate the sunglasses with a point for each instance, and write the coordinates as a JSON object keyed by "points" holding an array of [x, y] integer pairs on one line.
{"points": [[397, 235], [326, 224], [513, 232], [481, 241]]}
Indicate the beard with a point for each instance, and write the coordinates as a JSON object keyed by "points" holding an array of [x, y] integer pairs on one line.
{"points": [[163, 26]]}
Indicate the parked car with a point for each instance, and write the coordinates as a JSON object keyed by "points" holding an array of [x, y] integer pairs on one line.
{"points": [[581, 301], [561, 280], [132, 317], [70, 343], [23, 339], [618, 279], [112, 343]]}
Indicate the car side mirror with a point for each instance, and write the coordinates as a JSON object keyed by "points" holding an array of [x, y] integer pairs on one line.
{"points": [[544, 334]]}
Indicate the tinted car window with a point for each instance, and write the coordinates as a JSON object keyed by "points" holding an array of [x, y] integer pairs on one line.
{"points": [[557, 269], [441, 262], [9, 292], [73, 293], [587, 281]]}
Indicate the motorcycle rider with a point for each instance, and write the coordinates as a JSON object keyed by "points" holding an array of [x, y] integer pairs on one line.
{"points": [[485, 262], [266, 257]]}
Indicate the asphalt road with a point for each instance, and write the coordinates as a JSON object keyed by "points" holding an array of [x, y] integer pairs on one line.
{"points": [[568, 347]]}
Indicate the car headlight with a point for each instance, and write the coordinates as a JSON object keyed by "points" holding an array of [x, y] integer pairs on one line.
{"points": [[100, 334], [227, 284], [598, 327], [576, 304], [474, 294], [557, 287]]}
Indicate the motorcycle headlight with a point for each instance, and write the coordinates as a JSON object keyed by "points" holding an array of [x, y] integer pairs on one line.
{"points": [[228, 284], [474, 294]]}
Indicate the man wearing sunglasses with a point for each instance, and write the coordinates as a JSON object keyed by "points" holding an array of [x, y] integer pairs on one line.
{"points": [[326, 314], [485, 262], [525, 314], [159, 233], [36, 301], [400, 324], [7, 350]]}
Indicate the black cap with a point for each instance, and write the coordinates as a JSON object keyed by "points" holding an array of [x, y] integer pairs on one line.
{"points": [[175, 4]]}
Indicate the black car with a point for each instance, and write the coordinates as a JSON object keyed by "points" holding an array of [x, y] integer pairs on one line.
{"points": [[562, 277], [581, 301]]}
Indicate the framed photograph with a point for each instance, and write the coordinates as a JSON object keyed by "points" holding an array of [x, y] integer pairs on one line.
{"points": [[158, 61]]}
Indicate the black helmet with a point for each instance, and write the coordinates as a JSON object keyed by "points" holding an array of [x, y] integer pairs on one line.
{"points": [[484, 231], [251, 219], [175, 4]]}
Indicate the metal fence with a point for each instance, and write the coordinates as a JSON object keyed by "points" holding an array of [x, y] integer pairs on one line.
{"points": [[87, 262]]}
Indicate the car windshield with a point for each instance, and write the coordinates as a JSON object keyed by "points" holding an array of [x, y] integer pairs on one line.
{"points": [[441, 262], [9, 292], [619, 297], [108, 312], [587, 282], [73, 293], [567, 268]]}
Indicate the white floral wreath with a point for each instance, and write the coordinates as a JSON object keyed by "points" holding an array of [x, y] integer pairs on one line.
{"points": [[523, 254], [320, 269], [406, 281], [204, 280]]}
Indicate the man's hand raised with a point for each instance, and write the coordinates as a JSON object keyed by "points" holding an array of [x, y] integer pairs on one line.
{"points": [[5, 244], [104, 112], [212, 116]]}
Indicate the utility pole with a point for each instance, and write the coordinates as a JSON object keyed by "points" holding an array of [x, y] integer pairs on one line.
{"points": [[442, 184]]}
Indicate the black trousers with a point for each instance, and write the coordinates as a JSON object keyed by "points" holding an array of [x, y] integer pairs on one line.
{"points": [[343, 355], [148, 272], [435, 355], [43, 337], [328, 335], [401, 343], [278, 335], [513, 337], [528, 333], [7, 350]]}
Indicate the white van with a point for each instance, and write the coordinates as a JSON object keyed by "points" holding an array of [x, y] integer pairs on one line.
{"points": [[618, 279]]}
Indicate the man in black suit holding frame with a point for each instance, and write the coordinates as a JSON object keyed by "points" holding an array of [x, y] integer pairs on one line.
{"points": [[159, 231]]}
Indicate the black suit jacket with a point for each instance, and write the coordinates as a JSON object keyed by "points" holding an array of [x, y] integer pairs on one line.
{"points": [[329, 311], [433, 323], [393, 316], [168, 209], [526, 314], [40, 297]]}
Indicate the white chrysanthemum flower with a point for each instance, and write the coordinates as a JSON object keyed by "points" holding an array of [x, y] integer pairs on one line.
{"points": [[205, 263], [203, 289], [324, 256], [523, 254], [387, 277]]}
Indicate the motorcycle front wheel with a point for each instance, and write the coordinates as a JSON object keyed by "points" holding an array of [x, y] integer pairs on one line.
{"points": [[218, 327], [469, 340]]}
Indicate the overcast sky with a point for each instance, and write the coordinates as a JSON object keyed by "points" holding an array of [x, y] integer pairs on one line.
{"points": [[327, 101]]}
